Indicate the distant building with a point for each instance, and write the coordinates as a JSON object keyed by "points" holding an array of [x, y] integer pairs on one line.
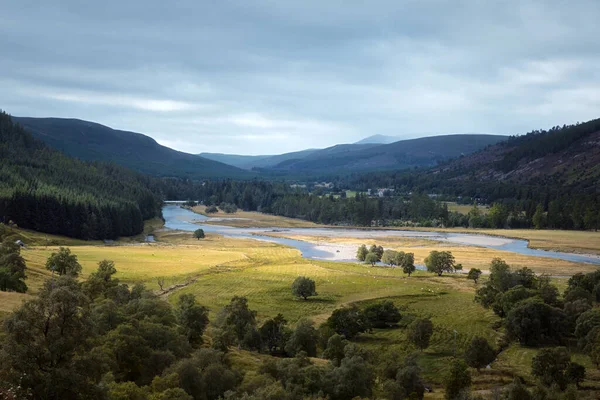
{"points": [[380, 192]]}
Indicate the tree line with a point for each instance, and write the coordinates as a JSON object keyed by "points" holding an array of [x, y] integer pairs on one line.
{"points": [[44, 190]]}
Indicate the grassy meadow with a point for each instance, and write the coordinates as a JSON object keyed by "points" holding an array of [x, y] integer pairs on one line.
{"points": [[217, 268], [253, 219]]}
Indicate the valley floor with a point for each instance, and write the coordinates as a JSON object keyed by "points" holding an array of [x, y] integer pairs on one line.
{"points": [[217, 268], [582, 242]]}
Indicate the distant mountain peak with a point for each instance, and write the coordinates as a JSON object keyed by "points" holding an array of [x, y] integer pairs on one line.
{"points": [[378, 139]]}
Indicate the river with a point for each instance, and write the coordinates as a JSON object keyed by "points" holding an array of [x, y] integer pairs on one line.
{"points": [[182, 219]]}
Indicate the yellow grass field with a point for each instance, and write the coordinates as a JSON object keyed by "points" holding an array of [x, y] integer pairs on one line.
{"points": [[583, 242], [465, 208], [468, 256], [252, 219]]}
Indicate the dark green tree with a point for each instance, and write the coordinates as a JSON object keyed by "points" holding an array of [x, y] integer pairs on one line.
{"points": [[479, 353], [192, 318], [199, 233], [237, 318], [553, 366], [12, 267], [44, 348], [406, 261], [335, 349], [303, 338], [419, 333], [382, 314], [63, 262], [348, 321], [304, 287], [274, 334], [457, 379], [474, 274]]}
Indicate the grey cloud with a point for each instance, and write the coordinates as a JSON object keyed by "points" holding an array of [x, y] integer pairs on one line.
{"points": [[271, 76]]}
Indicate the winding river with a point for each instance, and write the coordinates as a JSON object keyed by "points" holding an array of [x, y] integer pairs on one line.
{"points": [[182, 219]]}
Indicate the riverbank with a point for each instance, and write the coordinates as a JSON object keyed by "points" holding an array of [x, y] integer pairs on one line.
{"points": [[577, 242]]}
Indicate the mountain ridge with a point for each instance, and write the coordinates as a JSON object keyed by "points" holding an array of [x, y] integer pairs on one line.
{"points": [[88, 141]]}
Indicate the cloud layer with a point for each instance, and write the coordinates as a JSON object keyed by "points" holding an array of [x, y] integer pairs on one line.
{"points": [[270, 76]]}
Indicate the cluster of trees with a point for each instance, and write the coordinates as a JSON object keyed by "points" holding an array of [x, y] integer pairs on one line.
{"points": [[535, 315], [43, 189], [393, 258], [228, 208]]}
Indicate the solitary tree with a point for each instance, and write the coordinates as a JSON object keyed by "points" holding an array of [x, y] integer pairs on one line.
{"points": [[199, 234], [361, 253], [303, 287], [474, 274], [479, 353], [457, 379], [440, 262], [420, 332], [371, 258], [63, 262]]}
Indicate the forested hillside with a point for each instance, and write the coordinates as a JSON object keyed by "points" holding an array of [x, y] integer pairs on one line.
{"points": [[552, 173], [94, 142], [427, 151], [42, 189]]}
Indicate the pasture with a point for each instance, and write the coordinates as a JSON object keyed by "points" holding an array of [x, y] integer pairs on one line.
{"points": [[253, 219], [217, 268]]}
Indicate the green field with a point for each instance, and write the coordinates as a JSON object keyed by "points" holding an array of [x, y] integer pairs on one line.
{"points": [[217, 268]]}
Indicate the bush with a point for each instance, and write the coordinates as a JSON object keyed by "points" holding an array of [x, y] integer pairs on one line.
{"points": [[348, 321], [479, 354], [420, 332], [382, 315]]}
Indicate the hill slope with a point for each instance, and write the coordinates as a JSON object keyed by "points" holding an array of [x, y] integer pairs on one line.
{"points": [[250, 162], [95, 142], [426, 151], [379, 139], [564, 156], [45, 190]]}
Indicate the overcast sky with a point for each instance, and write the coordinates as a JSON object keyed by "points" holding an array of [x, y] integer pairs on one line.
{"points": [[271, 76]]}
